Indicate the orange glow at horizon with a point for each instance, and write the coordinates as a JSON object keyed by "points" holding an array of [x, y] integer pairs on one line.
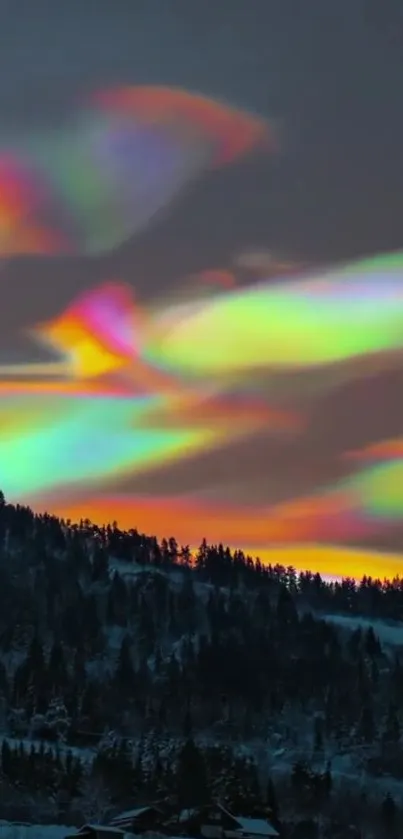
{"points": [[190, 522]]}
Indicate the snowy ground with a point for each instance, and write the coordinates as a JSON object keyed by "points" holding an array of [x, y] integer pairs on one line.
{"points": [[22, 831], [390, 634]]}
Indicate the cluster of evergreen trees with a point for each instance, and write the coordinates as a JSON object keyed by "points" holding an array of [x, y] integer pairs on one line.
{"points": [[189, 776], [40, 768]]}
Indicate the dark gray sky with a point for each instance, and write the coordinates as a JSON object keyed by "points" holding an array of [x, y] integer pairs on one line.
{"points": [[330, 73]]}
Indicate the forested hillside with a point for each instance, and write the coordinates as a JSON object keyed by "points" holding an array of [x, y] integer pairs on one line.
{"points": [[132, 671]]}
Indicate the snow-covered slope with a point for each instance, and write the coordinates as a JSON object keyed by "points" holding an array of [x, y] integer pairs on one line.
{"points": [[389, 633]]}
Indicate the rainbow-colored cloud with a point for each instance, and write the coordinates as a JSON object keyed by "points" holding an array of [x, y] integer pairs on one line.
{"points": [[102, 411], [124, 154]]}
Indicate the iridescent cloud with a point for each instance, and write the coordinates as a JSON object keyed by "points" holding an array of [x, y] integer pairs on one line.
{"points": [[332, 318], [124, 154], [101, 411]]}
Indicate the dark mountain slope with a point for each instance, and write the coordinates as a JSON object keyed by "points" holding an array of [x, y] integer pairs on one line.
{"points": [[122, 658]]}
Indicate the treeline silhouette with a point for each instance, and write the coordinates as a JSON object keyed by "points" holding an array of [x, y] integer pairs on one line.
{"points": [[87, 543]]}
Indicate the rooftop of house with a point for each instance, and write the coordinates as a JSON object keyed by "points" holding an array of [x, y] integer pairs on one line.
{"points": [[255, 827], [243, 824], [100, 829], [136, 813]]}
